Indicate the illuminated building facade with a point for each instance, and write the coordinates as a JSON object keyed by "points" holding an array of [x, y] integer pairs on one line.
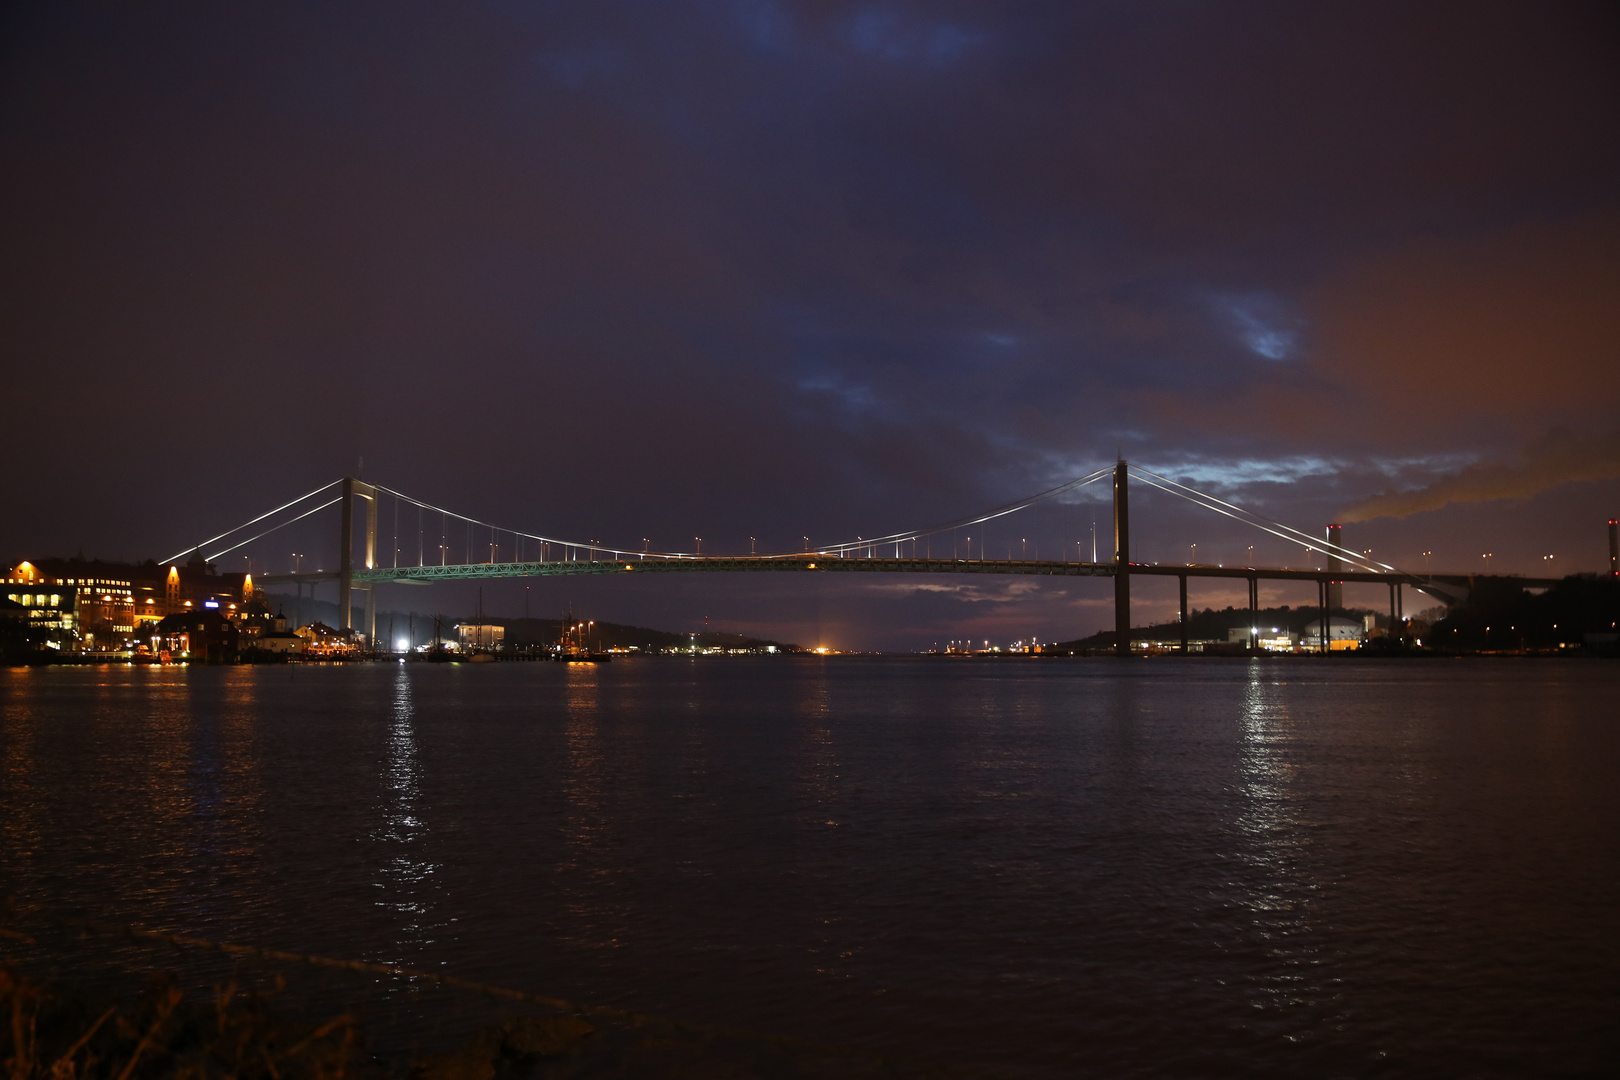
{"points": [[94, 606], [480, 635], [199, 634], [85, 608], [323, 642]]}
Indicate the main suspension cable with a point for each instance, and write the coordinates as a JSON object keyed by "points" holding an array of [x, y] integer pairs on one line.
{"points": [[1000, 511], [255, 521], [273, 528], [1304, 537], [1247, 517]]}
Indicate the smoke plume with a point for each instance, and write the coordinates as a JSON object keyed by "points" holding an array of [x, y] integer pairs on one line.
{"points": [[1560, 458]]}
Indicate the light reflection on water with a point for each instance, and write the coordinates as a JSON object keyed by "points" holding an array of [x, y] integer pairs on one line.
{"points": [[1274, 834], [404, 872], [1172, 869]]}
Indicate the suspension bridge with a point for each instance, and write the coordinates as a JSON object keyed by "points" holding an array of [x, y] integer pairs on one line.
{"points": [[910, 551]]}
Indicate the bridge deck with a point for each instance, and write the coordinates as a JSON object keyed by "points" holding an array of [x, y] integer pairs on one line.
{"points": [[820, 563]]}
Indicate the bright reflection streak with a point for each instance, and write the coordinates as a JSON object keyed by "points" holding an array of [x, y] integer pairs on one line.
{"points": [[1272, 839], [405, 874]]}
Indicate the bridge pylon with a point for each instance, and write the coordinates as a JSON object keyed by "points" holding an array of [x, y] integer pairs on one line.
{"points": [[1122, 560], [353, 488], [1335, 589]]}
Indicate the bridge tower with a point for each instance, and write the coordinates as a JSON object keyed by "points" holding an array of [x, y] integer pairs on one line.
{"points": [[1614, 547], [353, 488], [1335, 589], [1122, 561]]}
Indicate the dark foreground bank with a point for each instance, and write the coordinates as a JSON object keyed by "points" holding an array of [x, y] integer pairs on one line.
{"points": [[54, 1032]]}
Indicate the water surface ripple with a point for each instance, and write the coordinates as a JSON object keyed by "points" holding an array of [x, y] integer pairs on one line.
{"points": [[1078, 868]]}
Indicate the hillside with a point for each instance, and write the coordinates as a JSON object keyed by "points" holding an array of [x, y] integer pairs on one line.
{"points": [[1211, 624]]}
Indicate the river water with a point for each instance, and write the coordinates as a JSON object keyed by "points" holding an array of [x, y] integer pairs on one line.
{"points": [[1176, 868]]}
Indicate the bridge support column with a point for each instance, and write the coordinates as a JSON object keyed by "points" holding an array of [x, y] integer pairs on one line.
{"points": [[346, 556], [1122, 562], [371, 564], [1394, 614], [1254, 614], [350, 490], [1323, 587], [1183, 613], [1335, 589]]}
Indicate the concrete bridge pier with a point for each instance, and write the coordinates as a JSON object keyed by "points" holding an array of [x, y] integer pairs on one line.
{"points": [[1324, 592], [1122, 561], [1183, 578], [1254, 614], [353, 488], [1335, 592]]}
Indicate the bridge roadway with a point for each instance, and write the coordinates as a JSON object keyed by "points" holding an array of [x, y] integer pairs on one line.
{"points": [[822, 563]]}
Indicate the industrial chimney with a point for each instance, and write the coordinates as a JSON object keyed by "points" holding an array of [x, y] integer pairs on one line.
{"points": [[1335, 589]]}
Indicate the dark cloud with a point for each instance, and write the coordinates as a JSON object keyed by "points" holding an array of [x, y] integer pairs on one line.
{"points": [[768, 269], [1560, 458]]}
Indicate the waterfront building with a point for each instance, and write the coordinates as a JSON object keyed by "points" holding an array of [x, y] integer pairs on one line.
{"points": [[323, 642], [480, 635], [1344, 635], [200, 634], [89, 605], [1266, 638], [78, 604], [266, 633]]}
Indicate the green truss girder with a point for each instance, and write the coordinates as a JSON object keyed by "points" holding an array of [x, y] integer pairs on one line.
{"points": [[744, 563]]}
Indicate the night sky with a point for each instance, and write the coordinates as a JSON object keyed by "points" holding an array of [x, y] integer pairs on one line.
{"points": [[615, 271]]}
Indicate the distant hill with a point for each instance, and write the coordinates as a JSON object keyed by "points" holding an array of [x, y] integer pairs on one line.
{"points": [[1580, 613], [1211, 624]]}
